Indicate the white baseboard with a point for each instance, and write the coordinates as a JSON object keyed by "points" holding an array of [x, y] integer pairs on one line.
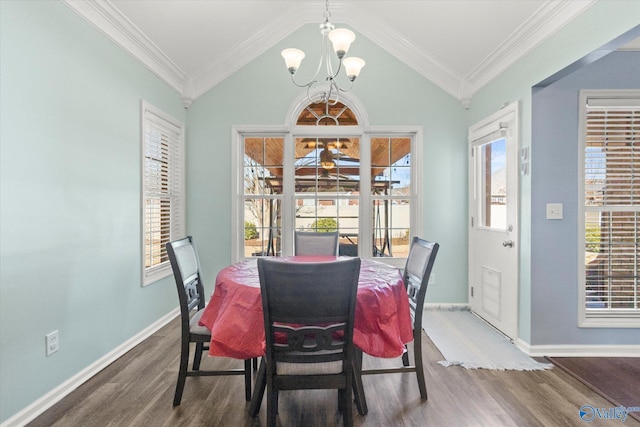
{"points": [[579, 350], [52, 397], [446, 307]]}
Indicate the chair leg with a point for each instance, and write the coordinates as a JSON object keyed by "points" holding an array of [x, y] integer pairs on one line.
{"points": [[258, 393], [182, 373], [405, 356], [272, 404], [347, 408], [247, 379], [197, 357], [417, 353], [358, 388], [255, 363]]}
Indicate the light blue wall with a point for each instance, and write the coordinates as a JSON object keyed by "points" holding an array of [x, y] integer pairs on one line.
{"points": [[600, 24], [70, 198], [554, 249], [393, 94], [70, 175]]}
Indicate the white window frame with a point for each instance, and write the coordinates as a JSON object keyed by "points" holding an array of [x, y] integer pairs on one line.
{"points": [[173, 132], [366, 199], [592, 318]]}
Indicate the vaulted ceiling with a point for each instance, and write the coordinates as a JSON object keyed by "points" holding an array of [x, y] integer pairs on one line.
{"points": [[460, 45]]}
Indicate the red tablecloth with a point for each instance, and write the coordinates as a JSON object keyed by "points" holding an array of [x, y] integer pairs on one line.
{"points": [[234, 313]]}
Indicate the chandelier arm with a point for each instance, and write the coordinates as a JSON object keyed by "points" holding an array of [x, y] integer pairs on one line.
{"points": [[341, 89], [333, 75], [333, 87], [307, 85]]}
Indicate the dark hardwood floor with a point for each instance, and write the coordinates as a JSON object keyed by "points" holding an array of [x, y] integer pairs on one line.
{"points": [[137, 390]]}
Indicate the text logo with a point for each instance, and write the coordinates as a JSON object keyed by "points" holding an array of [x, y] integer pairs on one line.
{"points": [[588, 413]]}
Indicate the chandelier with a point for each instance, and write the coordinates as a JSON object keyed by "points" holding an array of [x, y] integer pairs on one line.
{"points": [[327, 93]]}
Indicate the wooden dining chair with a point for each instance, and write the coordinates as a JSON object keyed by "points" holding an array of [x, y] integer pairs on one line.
{"points": [[422, 255], [315, 243], [309, 311], [186, 271]]}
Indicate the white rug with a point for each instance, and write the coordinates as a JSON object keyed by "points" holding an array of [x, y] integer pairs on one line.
{"points": [[466, 340]]}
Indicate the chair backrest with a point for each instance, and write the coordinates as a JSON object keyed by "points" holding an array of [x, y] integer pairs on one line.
{"points": [[315, 243], [186, 271], [306, 306], [422, 255]]}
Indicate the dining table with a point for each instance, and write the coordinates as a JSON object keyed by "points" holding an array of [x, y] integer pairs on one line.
{"points": [[382, 324]]}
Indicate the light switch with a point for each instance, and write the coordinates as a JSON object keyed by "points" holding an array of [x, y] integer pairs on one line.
{"points": [[554, 210]]}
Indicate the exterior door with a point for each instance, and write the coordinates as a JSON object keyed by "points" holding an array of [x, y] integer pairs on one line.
{"points": [[493, 231]]}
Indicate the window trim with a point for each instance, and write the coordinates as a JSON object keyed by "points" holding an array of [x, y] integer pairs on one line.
{"points": [[585, 319], [177, 219], [365, 133]]}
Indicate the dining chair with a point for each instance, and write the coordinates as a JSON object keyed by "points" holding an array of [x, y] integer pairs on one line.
{"points": [[422, 255], [309, 311], [186, 271], [315, 243]]}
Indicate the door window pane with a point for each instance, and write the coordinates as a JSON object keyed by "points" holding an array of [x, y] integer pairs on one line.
{"points": [[493, 184]]}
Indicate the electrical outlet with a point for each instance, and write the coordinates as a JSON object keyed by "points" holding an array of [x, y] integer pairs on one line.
{"points": [[51, 342]]}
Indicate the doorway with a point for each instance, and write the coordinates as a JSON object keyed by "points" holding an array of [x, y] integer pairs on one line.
{"points": [[493, 212]]}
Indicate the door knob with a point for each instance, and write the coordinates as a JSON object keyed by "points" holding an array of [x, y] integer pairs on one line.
{"points": [[507, 243]]}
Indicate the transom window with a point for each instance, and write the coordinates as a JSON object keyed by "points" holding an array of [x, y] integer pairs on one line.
{"points": [[327, 174]]}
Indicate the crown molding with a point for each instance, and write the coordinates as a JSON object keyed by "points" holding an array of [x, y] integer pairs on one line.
{"points": [[547, 20], [406, 51], [551, 17], [241, 54], [105, 17]]}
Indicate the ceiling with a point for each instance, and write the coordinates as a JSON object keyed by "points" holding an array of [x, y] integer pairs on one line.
{"points": [[460, 45]]}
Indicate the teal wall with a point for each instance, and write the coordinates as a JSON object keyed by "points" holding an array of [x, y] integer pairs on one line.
{"points": [[70, 198], [600, 24], [261, 93]]}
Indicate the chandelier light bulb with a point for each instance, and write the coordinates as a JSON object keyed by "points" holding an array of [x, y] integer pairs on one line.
{"points": [[292, 58], [341, 38], [352, 66]]}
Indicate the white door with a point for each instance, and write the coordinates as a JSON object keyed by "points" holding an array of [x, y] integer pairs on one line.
{"points": [[493, 230]]}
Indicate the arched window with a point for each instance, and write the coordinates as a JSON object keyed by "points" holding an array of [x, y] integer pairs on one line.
{"points": [[327, 114], [326, 173]]}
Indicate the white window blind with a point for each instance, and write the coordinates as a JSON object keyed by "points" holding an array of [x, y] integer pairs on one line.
{"points": [[162, 189], [612, 205]]}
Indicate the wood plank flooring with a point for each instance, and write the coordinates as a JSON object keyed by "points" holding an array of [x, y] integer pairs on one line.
{"points": [[137, 390], [615, 378]]}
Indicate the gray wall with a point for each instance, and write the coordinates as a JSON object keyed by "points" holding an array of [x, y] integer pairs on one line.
{"points": [[555, 177]]}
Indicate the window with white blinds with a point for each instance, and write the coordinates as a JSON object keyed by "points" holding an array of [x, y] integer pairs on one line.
{"points": [[162, 190], [610, 125]]}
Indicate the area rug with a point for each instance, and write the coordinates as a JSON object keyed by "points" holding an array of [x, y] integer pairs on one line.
{"points": [[617, 379], [466, 340]]}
